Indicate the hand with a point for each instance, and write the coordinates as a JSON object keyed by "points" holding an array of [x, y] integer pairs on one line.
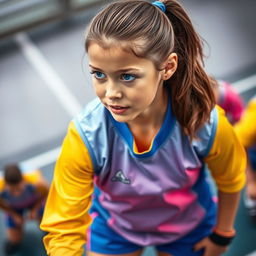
{"points": [[210, 248], [18, 219]]}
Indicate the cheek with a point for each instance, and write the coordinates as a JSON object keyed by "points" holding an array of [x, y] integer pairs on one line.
{"points": [[147, 90], [145, 94], [99, 90], [140, 99]]}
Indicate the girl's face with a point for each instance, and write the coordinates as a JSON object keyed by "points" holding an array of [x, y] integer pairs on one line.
{"points": [[131, 88]]}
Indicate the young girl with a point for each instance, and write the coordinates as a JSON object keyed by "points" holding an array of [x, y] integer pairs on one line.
{"points": [[135, 157]]}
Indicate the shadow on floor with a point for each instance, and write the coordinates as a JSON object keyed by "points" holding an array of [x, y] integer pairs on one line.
{"points": [[31, 245]]}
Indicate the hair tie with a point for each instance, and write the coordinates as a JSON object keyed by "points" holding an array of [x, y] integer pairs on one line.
{"points": [[160, 5]]}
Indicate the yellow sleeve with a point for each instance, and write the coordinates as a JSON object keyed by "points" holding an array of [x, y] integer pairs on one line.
{"points": [[245, 128], [66, 217], [227, 159]]}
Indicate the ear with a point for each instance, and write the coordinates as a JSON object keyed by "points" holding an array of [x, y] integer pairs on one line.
{"points": [[170, 66]]}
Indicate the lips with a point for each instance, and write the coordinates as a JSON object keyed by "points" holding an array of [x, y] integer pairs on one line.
{"points": [[118, 109]]}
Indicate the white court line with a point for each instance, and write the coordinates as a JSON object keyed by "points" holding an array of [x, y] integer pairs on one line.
{"points": [[245, 84], [39, 161], [57, 87], [43, 159], [47, 73]]}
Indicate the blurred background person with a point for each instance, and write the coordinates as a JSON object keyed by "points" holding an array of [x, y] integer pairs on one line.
{"points": [[22, 197], [229, 100], [246, 131]]}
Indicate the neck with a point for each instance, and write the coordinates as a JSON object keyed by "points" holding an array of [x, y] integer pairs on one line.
{"points": [[144, 129], [154, 116]]}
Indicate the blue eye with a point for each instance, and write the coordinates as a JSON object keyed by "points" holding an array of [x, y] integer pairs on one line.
{"points": [[98, 75], [128, 77]]}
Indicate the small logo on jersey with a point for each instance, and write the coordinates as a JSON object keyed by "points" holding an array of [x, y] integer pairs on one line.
{"points": [[119, 176]]}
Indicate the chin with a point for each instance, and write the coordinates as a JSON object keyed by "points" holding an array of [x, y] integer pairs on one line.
{"points": [[122, 119]]}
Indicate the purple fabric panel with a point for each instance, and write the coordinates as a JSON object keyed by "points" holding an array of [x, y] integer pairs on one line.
{"points": [[161, 183]]}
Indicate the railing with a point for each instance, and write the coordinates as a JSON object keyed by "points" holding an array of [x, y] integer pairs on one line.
{"points": [[18, 15]]}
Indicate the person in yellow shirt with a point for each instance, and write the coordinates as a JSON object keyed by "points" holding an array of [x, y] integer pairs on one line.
{"points": [[246, 131], [21, 192]]}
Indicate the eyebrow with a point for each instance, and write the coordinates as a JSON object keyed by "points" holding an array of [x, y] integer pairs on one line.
{"points": [[120, 70]]}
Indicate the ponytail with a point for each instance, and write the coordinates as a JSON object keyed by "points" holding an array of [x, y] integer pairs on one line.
{"points": [[153, 33], [191, 89]]}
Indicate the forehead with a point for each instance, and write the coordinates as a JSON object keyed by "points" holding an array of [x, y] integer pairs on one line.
{"points": [[115, 57]]}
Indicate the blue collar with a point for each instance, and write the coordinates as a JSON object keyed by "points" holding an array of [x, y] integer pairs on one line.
{"points": [[160, 138]]}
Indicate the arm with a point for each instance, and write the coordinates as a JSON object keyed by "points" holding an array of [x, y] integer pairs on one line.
{"points": [[227, 163], [66, 217], [5, 207], [42, 189], [227, 208], [251, 174]]}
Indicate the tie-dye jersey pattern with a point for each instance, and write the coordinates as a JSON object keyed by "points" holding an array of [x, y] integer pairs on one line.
{"points": [[153, 197]]}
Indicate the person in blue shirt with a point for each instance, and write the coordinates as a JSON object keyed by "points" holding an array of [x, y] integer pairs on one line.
{"points": [[22, 196]]}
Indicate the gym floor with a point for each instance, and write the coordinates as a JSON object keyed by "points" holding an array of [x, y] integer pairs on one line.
{"points": [[44, 82]]}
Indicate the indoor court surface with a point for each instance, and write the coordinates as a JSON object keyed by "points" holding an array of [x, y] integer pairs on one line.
{"points": [[44, 82]]}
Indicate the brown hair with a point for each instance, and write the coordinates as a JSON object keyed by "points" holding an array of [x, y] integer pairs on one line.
{"points": [[12, 174], [142, 28]]}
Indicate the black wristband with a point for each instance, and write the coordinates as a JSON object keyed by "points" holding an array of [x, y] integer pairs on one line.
{"points": [[220, 240]]}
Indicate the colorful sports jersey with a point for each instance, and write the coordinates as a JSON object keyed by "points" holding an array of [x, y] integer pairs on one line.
{"points": [[29, 196], [230, 101], [151, 197], [246, 127]]}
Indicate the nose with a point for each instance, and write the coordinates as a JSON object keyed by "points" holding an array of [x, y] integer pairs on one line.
{"points": [[113, 91]]}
